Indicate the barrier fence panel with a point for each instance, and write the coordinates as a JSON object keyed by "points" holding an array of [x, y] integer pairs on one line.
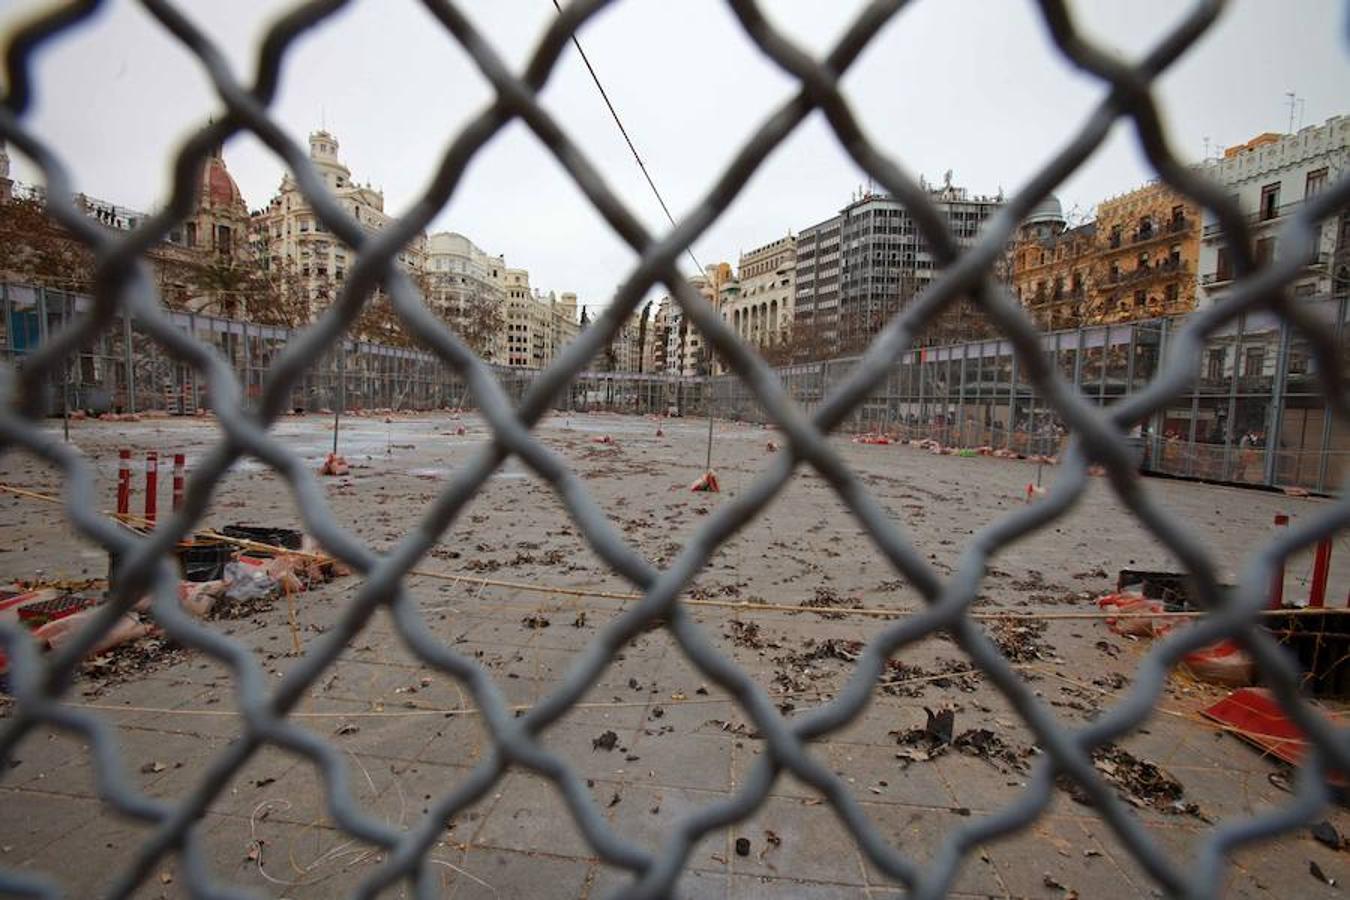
{"points": [[1249, 389]]}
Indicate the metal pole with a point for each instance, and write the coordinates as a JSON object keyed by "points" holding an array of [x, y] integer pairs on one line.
{"points": [[127, 362], [341, 391], [65, 371], [708, 466], [1275, 411]]}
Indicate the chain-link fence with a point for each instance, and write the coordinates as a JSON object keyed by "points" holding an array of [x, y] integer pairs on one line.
{"points": [[1252, 379], [1097, 433]]}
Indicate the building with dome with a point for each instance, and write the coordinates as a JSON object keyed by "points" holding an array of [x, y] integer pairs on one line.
{"points": [[1136, 260]]}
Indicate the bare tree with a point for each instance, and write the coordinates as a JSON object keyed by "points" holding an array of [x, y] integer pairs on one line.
{"points": [[472, 310], [34, 248]]}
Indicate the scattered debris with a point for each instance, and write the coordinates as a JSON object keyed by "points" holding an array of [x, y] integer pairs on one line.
{"points": [[347, 728], [334, 464], [1221, 663], [1316, 871], [985, 744], [742, 846], [826, 597], [930, 741], [607, 741], [1136, 781], [1325, 833], [534, 620], [745, 634], [707, 482], [1022, 640], [738, 728]]}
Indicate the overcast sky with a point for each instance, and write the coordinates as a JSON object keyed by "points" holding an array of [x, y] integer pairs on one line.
{"points": [[968, 85]]}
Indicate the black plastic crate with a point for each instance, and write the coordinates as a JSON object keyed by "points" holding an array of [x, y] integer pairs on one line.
{"points": [[204, 560], [289, 538]]}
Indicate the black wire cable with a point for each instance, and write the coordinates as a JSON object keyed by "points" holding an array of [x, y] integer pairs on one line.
{"points": [[624, 131]]}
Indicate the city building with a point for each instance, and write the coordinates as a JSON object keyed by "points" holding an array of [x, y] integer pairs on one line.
{"points": [[1136, 260], [537, 325], [855, 270], [686, 350], [658, 335], [6, 183], [522, 341], [466, 287], [760, 310], [1271, 176], [289, 237], [204, 264]]}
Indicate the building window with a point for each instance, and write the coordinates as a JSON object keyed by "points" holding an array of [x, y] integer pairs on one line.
{"points": [[1143, 261], [1265, 250], [1270, 201], [192, 234], [1214, 365], [1178, 217], [1173, 293], [1253, 362], [223, 245], [1139, 299], [1115, 271], [1317, 182], [1224, 268], [1174, 255], [1145, 228], [1116, 231]]}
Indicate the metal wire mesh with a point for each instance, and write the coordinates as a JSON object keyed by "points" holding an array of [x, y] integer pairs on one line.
{"points": [[124, 286]]}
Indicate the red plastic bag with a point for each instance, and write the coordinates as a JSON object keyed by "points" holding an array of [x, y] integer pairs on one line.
{"points": [[1221, 663], [1134, 624]]}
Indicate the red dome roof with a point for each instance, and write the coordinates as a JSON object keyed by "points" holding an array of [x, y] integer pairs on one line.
{"points": [[218, 187]]}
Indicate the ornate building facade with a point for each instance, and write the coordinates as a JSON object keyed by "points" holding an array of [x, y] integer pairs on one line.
{"points": [[289, 237], [1137, 260], [760, 312]]}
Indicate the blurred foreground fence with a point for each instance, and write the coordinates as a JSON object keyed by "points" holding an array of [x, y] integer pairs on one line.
{"points": [[1254, 413], [1240, 365]]}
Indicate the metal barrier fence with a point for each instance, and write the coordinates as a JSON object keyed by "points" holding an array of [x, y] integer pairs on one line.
{"points": [[1253, 414], [39, 684]]}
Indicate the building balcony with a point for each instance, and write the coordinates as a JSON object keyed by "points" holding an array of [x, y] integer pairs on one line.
{"points": [[1320, 264], [1257, 219]]}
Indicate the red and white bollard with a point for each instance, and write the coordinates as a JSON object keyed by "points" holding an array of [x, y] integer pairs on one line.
{"points": [[151, 485], [123, 482], [179, 470], [1321, 570]]}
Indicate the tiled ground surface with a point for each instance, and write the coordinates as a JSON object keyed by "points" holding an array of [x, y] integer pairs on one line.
{"points": [[408, 734]]}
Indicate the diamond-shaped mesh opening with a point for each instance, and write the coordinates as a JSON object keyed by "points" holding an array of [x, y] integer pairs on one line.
{"points": [[524, 757]]}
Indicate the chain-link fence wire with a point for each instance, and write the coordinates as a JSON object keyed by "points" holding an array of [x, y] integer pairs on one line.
{"points": [[38, 683]]}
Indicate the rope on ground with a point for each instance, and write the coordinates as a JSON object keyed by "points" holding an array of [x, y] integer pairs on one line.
{"points": [[740, 605]]}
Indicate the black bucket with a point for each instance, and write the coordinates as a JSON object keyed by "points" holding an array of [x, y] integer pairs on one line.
{"points": [[204, 560], [276, 537]]}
